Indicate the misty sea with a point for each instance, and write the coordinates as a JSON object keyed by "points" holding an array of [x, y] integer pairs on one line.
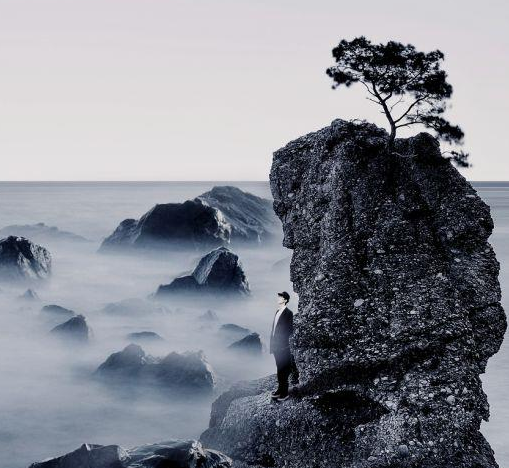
{"points": [[48, 403]]}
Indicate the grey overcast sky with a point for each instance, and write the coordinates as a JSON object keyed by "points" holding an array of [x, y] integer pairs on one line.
{"points": [[207, 90]]}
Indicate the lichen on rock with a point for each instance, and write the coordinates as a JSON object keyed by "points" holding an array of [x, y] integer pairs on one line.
{"points": [[399, 311]]}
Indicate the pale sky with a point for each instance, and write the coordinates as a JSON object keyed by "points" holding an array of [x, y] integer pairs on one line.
{"points": [[207, 90]]}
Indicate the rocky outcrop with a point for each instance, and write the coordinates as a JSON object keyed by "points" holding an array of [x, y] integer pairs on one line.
{"points": [[399, 311], [218, 272], [215, 218], [173, 453], [22, 260], [251, 218], [250, 344], [41, 232], [188, 371], [75, 329], [189, 224]]}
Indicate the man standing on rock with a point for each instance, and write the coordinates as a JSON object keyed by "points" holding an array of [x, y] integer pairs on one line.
{"points": [[282, 329]]}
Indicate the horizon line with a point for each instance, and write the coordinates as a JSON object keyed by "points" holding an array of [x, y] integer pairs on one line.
{"points": [[166, 181]]}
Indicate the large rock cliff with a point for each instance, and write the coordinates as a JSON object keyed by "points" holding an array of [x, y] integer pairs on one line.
{"points": [[399, 311]]}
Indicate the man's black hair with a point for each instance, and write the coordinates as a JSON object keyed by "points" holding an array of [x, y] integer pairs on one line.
{"points": [[284, 295]]}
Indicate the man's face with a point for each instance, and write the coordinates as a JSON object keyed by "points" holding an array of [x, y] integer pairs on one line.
{"points": [[281, 301]]}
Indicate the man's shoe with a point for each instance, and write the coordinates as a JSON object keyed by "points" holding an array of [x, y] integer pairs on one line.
{"points": [[283, 397], [275, 394]]}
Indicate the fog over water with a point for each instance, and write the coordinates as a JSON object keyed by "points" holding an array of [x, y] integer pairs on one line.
{"points": [[49, 404]]}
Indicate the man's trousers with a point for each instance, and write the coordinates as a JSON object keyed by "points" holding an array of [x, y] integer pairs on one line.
{"points": [[284, 361]]}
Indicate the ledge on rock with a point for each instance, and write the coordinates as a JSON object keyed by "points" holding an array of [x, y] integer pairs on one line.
{"points": [[399, 311]]}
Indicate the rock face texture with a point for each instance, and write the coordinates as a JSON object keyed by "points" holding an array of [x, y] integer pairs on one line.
{"points": [[22, 260], [173, 453], [188, 371], [218, 272], [251, 218], [399, 311], [212, 219]]}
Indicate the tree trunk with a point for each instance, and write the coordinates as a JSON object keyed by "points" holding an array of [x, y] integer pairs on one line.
{"points": [[392, 137]]}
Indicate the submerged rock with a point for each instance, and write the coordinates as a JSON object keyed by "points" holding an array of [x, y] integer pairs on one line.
{"points": [[56, 311], [144, 336], [22, 260], [234, 329], [399, 311], [41, 233], [189, 224], [134, 307], [173, 453], [188, 371], [30, 296], [250, 344], [218, 272], [75, 329], [209, 316], [251, 218], [282, 265]]}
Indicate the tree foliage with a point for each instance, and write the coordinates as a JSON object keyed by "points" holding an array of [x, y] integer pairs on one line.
{"points": [[409, 85]]}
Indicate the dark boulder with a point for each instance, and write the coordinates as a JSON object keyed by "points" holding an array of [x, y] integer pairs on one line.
{"points": [[188, 371], [75, 329], [40, 232], [170, 454], [125, 364], [56, 311], [218, 272], [190, 224], [251, 218], [22, 260], [144, 337], [399, 311], [250, 344]]}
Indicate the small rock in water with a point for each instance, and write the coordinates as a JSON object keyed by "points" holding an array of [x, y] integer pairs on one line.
{"points": [[144, 336], [75, 329], [250, 344]]}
